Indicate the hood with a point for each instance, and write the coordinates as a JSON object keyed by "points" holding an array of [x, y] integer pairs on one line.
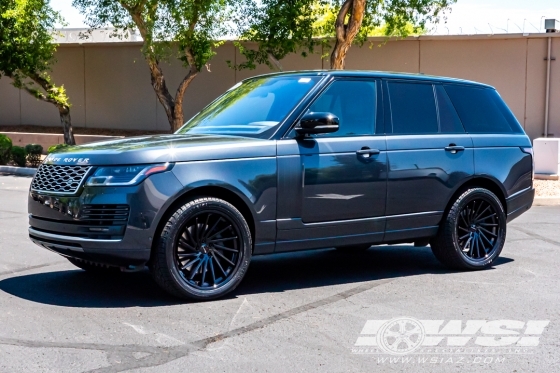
{"points": [[163, 148]]}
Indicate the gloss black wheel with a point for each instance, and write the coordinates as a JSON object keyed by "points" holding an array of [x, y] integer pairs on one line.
{"points": [[207, 251], [204, 250], [473, 233], [478, 229]]}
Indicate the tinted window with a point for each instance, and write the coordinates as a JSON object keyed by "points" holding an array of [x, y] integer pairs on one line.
{"points": [[353, 102], [253, 108], [413, 108], [482, 110], [449, 121]]}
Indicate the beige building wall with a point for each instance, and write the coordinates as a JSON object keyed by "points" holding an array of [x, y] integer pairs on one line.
{"points": [[109, 84]]}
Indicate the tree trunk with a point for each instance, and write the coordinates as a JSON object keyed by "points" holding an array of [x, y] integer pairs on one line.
{"points": [[160, 88], [346, 32], [66, 122], [178, 117]]}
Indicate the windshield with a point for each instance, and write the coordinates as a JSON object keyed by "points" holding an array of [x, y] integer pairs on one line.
{"points": [[252, 108]]}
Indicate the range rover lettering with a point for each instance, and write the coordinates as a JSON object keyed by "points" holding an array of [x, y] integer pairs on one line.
{"points": [[293, 161]]}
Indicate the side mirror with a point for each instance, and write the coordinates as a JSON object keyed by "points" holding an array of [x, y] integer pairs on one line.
{"points": [[320, 122]]}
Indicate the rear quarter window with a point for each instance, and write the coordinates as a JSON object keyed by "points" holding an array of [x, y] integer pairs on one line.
{"points": [[482, 110]]}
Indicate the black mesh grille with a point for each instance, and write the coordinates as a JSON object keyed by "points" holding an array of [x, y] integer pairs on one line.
{"points": [[59, 179], [104, 214]]}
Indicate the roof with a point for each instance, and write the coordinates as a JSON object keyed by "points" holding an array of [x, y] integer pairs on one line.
{"points": [[380, 74]]}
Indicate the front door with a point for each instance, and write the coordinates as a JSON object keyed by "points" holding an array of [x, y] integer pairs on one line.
{"points": [[332, 187]]}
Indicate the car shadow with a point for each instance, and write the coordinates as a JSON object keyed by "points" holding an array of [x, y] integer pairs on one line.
{"points": [[267, 274]]}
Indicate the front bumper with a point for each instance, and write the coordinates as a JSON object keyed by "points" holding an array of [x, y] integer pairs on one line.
{"points": [[519, 203], [54, 221]]}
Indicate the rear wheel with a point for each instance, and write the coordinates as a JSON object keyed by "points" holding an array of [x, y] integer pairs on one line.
{"points": [[473, 233], [204, 250]]}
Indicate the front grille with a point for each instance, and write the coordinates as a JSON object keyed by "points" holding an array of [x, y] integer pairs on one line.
{"points": [[104, 215], [59, 179]]}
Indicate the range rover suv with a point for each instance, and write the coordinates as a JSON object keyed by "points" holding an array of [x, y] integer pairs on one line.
{"points": [[293, 161]]}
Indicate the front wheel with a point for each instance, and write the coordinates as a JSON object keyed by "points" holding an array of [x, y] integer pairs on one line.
{"points": [[203, 251], [473, 232]]}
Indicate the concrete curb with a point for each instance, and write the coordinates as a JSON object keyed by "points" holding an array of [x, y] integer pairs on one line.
{"points": [[17, 171], [546, 201]]}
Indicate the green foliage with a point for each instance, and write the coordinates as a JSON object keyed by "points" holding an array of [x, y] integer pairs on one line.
{"points": [[27, 48], [188, 30], [34, 152], [19, 156], [279, 27], [5, 148], [326, 14], [282, 27], [56, 148]]}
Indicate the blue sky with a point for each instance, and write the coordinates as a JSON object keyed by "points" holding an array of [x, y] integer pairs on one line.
{"points": [[466, 16]]}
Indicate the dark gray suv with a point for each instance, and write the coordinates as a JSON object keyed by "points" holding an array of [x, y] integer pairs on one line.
{"points": [[293, 161]]}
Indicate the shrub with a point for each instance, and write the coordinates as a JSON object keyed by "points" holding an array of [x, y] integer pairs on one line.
{"points": [[5, 148], [34, 152], [19, 155], [55, 148]]}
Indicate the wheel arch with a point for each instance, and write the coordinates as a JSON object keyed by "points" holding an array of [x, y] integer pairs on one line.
{"points": [[479, 182], [236, 198]]}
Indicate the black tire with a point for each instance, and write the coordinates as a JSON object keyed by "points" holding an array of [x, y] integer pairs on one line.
{"points": [[353, 248], [92, 267], [198, 241], [473, 232]]}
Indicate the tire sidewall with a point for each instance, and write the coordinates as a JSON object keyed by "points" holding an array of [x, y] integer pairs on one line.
{"points": [[190, 209], [465, 198]]}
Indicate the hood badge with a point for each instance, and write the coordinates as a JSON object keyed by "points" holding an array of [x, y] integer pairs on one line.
{"points": [[67, 160]]}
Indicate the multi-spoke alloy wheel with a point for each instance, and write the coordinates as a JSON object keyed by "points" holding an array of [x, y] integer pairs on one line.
{"points": [[472, 234], [204, 250], [207, 251], [478, 229]]}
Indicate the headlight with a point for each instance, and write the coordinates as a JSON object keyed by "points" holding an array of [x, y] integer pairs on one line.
{"points": [[125, 175]]}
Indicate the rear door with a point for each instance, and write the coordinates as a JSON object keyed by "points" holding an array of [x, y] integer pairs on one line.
{"points": [[429, 157], [498, 138]]}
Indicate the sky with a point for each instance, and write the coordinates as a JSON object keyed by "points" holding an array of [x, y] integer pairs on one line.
{"points": [[466, 16]]}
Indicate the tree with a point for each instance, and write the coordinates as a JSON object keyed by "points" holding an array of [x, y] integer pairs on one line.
{"points": [[279, 27], [356, 18], [189, 30], [27, 53], [282, 27]]}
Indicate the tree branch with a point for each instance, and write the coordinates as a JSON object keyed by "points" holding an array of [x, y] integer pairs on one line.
{"points": [[275, 62], [339, 24]]}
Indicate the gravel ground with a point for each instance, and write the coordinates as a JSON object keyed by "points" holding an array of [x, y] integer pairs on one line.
{"points": [[547, 188]]}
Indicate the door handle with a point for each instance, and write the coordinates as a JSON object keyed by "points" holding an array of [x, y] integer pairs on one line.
{"points": [[367, 152], [454, 148]]}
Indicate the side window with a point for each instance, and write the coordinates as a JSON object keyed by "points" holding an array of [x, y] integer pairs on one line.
{"points": [[449, 121], [353, 102], [482, 110], [413, 108]]}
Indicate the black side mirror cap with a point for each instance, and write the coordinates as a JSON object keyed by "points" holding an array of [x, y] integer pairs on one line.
{"points": [[319, 122]]}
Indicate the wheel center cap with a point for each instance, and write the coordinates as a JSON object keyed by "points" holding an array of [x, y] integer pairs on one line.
{"points": [[472, 228], [204, 248]]}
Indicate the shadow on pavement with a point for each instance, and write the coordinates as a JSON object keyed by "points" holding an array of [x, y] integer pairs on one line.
{"points": [[273, 273]]}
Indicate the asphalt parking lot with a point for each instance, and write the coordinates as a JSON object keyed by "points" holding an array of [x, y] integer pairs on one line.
{"points": [[304, 311]]}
